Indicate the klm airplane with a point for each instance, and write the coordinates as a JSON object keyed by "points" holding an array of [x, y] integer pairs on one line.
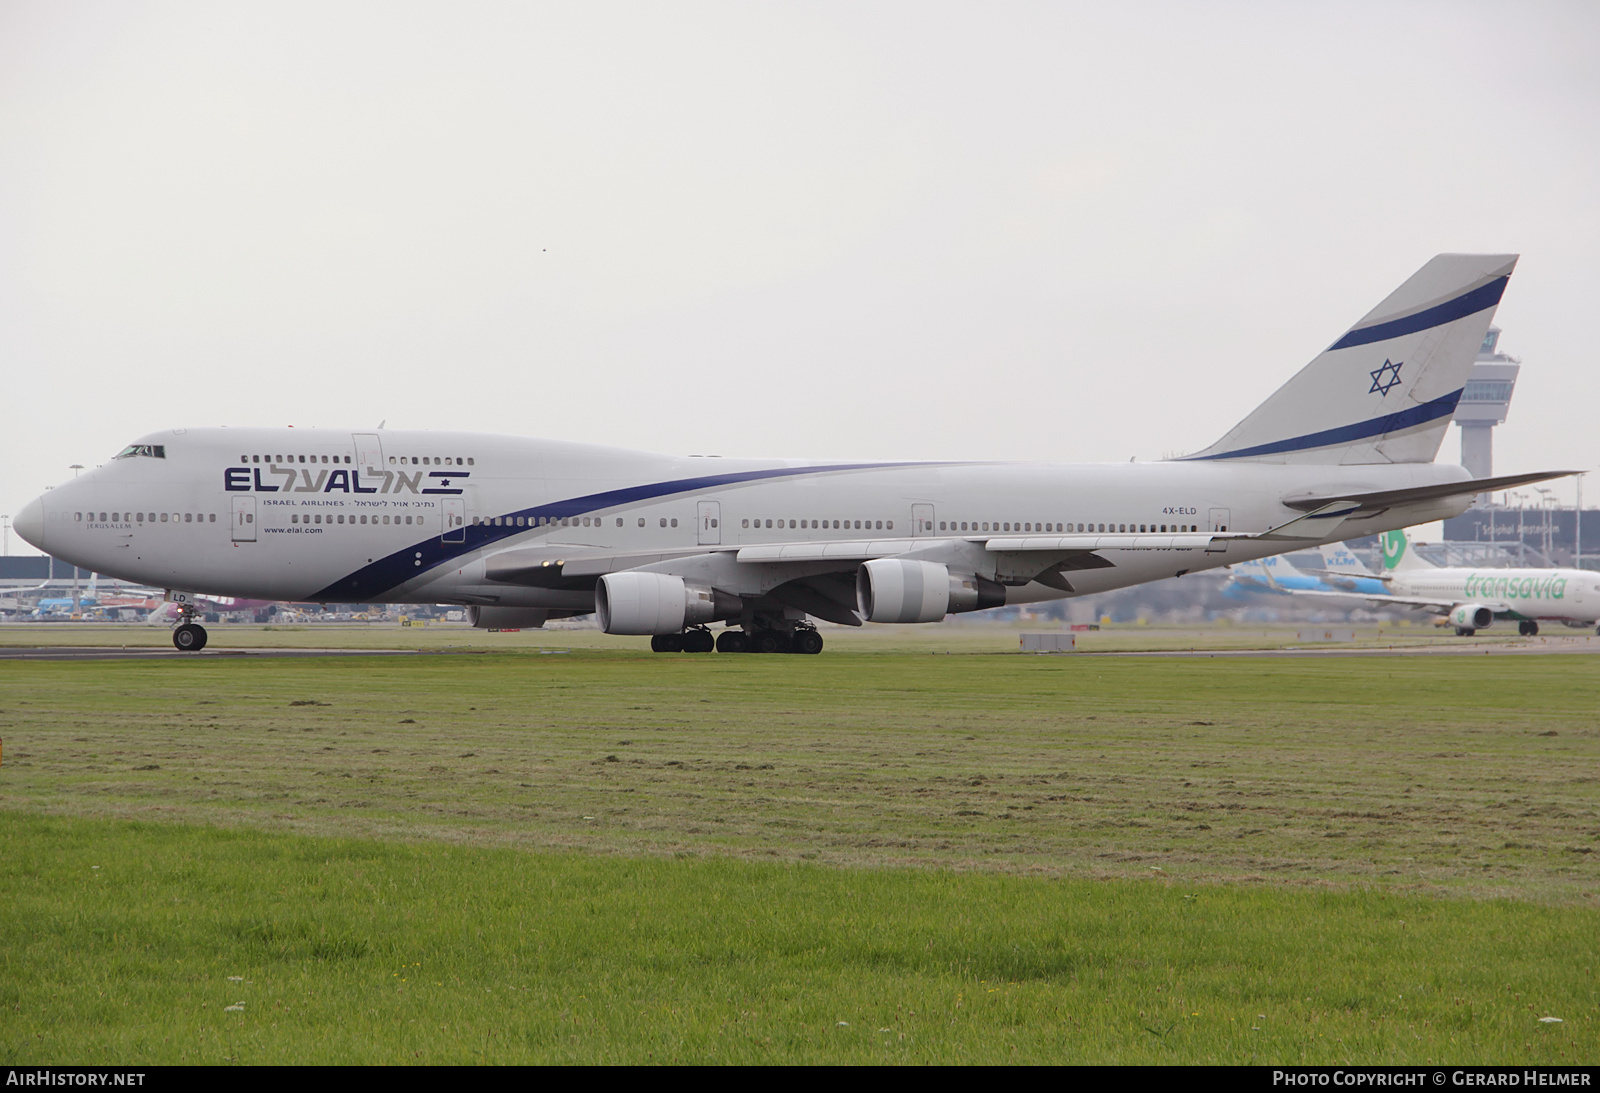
{"points": [[1342, 571], [521, 531], [1343, 575]]}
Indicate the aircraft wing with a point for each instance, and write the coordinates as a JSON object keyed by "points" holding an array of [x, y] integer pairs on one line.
{"points": [[819, 577]]}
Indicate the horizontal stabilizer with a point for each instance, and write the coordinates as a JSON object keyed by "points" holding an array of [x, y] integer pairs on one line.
{"points": [[1378, 500]]}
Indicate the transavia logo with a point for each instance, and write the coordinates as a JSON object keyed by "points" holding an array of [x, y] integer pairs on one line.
{"points": [[1517, 588], [1385, 378], [1394, 548]]}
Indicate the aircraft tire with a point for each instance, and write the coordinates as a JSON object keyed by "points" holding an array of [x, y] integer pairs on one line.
{"points": [[1528, 629], [1465, 631], [806, 641], [698, 641], [769, 641], [666, 643], [189, 638], [733, 641]]}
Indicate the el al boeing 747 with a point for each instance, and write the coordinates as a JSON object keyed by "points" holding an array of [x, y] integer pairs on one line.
{"points": [[522, 531]]}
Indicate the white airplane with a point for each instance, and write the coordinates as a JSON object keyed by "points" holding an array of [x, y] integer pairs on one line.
{"points": [[522, 531], [1471, 599]]}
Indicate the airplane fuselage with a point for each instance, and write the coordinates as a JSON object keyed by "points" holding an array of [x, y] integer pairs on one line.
{"points": [[326, 515], [1548, 595]]}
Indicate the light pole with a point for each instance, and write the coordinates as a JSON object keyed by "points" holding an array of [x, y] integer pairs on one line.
{"points": [[1577, 528], [1547, 501]]}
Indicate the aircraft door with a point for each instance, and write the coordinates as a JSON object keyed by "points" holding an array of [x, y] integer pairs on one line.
{"points": [[244, 518], [1219, 520], [455, 520], [709, 522], [369, 454], [921, 520]]}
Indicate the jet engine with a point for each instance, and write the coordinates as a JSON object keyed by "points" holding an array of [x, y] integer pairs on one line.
{"points": [[657, 603], [516, 618], [1471, 616], [901, 590]]}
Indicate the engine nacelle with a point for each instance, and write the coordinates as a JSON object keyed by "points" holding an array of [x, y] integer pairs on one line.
{"points": [[657, 603], [1471, 616], [901, 590], [509, 618], [897, 590]]}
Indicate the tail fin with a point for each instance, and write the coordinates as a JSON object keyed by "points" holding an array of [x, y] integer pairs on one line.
{"points": [[1384, 392], [1337, 558], [1397, 553]]}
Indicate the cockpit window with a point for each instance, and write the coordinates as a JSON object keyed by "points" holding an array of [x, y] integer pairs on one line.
{"points": [[153, 451]]}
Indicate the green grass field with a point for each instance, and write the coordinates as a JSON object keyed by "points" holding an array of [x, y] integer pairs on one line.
{"points": [[874, 855]]}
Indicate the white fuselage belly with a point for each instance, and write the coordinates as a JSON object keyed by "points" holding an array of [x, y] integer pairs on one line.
{"points": [[419, 532]]}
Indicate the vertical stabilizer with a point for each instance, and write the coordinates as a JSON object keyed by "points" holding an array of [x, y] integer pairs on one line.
{"points": [[1338, 558], [1397, 553], [1385, 391]]}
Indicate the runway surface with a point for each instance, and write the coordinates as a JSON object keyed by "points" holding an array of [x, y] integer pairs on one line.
{"points": [[1540, 646], [91, 652], [1520, 647]]}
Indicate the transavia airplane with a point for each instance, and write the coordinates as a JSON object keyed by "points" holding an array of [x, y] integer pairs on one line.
{"points": [[1472, 599], [522, 531]]}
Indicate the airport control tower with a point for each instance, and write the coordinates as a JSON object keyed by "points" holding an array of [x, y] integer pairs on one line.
{"points": [[1484, 404]]}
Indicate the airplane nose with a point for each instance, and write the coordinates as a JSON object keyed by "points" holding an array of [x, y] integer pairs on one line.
{"points": [[30, 523]]}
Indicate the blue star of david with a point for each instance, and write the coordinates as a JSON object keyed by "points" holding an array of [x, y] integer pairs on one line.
{"points": [[1383, 383]]}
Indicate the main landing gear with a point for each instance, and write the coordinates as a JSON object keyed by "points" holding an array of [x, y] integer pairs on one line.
{"points": [[1528, 628], [190, 636], [802, 639]]}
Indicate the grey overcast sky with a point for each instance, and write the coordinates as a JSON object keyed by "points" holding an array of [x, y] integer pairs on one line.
{"points": [[1050, 231]]}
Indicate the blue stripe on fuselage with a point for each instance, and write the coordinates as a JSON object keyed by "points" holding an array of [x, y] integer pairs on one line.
{"points": [[1443, 406], [389, 572]]}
